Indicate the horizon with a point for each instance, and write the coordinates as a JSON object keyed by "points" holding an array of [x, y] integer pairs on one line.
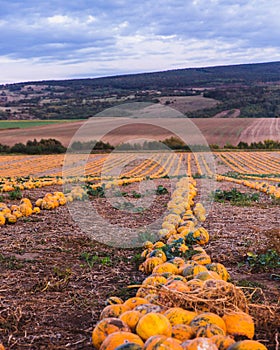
{"points": [[137, 73]]}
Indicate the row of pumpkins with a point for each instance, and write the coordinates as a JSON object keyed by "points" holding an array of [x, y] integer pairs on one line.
{"points": [[177, 266], [10, 214], [264, 187]]}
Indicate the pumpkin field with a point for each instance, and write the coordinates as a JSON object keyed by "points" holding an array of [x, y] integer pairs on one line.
{"points": [[193, 262]]}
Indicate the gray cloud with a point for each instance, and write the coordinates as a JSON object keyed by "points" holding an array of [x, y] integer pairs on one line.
{"points": [[135, 36]]}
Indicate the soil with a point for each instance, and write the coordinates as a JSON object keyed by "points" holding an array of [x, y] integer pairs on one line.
{"points": [[216, 131], [54, 279]]}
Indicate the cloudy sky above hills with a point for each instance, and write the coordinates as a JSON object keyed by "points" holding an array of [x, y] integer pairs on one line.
{"points": [[62, 39]]}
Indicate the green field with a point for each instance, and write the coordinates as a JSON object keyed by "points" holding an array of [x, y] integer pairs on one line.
{"points": [[23, 124]]}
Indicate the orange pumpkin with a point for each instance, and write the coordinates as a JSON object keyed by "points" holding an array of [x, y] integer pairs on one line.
{"points": [[166, 267], [131, 318], [153, 281], [177, 286], [131, 303], [194, 284], [148, 308], [208, 318], [153, 324], [191, 270], [113, 300], [161, 342], [119, 338], [209, 330], [239, 324], [220, 270], [106, 327], [207, 275], [223, 342], [199, 236], [182, 332], [247, 345], [157, 253], [177, 315], [148, 265], [202, 258], [114, 310]]}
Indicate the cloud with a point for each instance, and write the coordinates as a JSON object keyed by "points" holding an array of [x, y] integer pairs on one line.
{"points": [[118, 36]]}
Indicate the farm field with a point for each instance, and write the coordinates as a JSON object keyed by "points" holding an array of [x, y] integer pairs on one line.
{"points": [[55, 278], [230, 130], [23, 124]]}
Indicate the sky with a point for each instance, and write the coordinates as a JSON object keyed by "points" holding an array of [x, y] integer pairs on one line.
{"points": [[66, 39]]}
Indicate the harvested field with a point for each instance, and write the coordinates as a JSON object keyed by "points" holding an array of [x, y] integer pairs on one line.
{"points": [[55, 279], [215, 130]]}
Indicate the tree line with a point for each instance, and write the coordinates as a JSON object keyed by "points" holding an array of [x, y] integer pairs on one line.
{"points": [[44, 146], [53, 146]]}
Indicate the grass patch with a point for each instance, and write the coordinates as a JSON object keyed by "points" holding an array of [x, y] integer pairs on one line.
{"points": [[23, 124], [10, 262], [93, 259], [264, 261], [235, 197], [16, 194]]}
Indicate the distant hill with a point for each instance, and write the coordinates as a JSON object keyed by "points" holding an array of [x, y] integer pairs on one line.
{"points": [[246, 74], [252, 89]]}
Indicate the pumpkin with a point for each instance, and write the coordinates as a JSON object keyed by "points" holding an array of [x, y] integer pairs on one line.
{"points": [[177, 261], [191, 270], [145, 253], [114, 310], [25, 209], [153, 324], [106, 327], [220, 270], [148, 265], [131, 303], [199, 236], [166, 267], [223, 342], [158, 245], [158, 253], [148, 308], [182, 332], [151, 298], [208, 318], [131, 318], [247, 345], [218, 284], [207, 275], [11, 219], [195, 284], [2, 347], [129, 346], [36, 210], [199, 343], [209, 330], [153, 281], [177, 315], [26, 201], [239, 324], [175, 278], [177, 286], [119, 338], [202, 259], [2, 220], [161, 342], [113, 300]]}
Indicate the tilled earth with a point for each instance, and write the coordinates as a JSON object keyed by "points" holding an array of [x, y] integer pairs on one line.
{"points": [[55, 279]]}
